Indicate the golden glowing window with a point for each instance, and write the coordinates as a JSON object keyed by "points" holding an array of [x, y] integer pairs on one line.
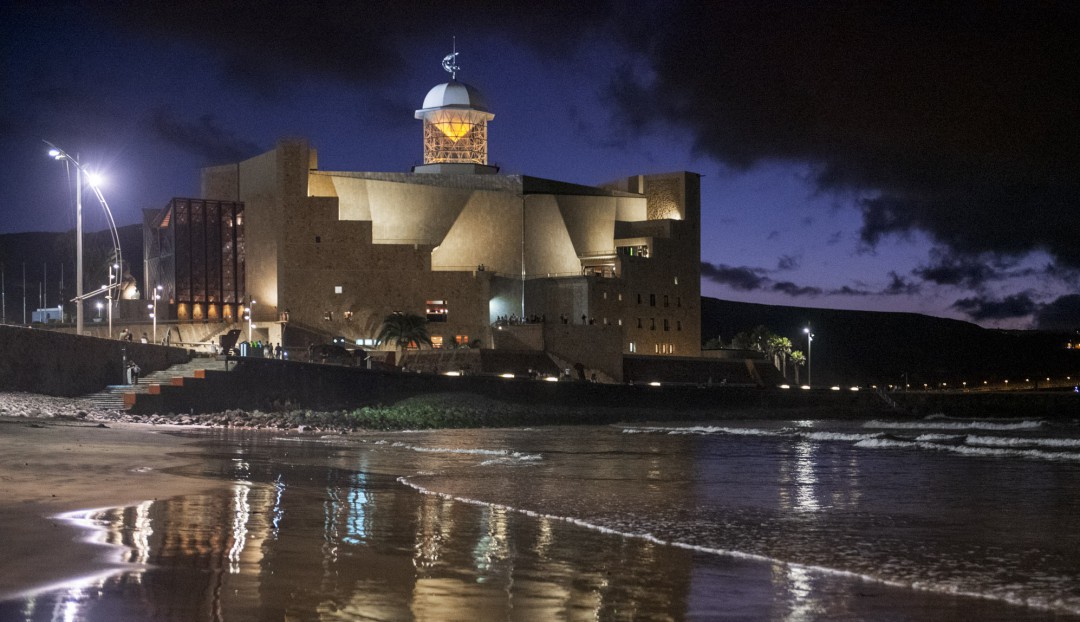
{"points": [[436, 341], [437, 310]]}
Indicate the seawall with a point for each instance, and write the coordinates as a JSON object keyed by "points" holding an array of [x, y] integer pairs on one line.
{"points": [[55, 363]]}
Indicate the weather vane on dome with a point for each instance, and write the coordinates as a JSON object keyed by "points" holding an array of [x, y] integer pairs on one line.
{"points": [[449, 62]]}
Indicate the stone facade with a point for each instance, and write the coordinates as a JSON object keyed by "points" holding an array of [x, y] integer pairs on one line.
{"points": [[336, 252]]}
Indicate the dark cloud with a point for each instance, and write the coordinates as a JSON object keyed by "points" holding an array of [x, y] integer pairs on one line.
{"points": [[794, 290], [203, 138], [265, 45], [898, 286], [960, 118], [740, 278], [981, 308], [787, 262], [949, 269], [1062, 314]]}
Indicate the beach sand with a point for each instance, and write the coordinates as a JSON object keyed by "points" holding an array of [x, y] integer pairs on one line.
{"points": [[51, 465]]}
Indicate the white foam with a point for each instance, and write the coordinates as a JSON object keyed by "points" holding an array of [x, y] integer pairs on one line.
{"points": [[837, 436], [515, 455], [934, 587], [939, 438], [969, 450], [953, 425], [702, 430], [1009, 441]]}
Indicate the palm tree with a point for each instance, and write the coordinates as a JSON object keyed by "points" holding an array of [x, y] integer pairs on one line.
{"points": [[780, 348], [798, 359], [401, 329]]}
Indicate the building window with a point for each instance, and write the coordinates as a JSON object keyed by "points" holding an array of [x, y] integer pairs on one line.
{"points": [[666, 304], [318, 239], [667, 324], [639, 322], [633, 347], [678, 324], [676, 280], [652, 325], [437, 311], [620, 321], [461, 341], [652, 300], [639, 298], [436, 341], [338, 289], [678, 301], [604, 295], [620, 297]]}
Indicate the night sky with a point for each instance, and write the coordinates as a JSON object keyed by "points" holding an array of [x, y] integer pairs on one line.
{"points": [[884, 156]]}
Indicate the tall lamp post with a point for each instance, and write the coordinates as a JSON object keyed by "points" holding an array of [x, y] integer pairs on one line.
{"points": [[251, 318], [809, 363], [153, 314], [59, 154]]}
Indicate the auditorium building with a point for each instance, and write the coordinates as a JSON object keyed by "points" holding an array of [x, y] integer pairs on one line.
{"points": [[587, 274]]}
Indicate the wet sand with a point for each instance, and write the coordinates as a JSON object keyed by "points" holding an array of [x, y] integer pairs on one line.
{"points": [[250, 525], [49, 466]]}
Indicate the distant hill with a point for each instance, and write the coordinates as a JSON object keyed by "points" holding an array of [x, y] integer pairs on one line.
{"points": [[43, 254], [870, 347]]}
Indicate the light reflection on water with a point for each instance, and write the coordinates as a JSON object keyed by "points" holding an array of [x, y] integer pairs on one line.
{"points": [[328, 533]]}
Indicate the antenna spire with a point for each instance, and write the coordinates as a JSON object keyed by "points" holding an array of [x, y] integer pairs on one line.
{"points": [[449, 62]]}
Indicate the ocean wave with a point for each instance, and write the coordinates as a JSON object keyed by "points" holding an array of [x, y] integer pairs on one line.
{"points": [[502, 453], [939, 438], [953, 425], [970, 450], [704, 430], [837, 436], [1010, 441], [926, 586]]}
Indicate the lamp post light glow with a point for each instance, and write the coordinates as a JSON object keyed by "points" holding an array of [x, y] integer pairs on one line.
{"points": [[809, 363], [93, 181]]}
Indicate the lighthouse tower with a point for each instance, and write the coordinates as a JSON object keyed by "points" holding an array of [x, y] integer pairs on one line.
{"points": [[455, 118]]}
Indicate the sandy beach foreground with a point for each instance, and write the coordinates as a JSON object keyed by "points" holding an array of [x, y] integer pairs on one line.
{"points": [[758, 521], [51, 465]]}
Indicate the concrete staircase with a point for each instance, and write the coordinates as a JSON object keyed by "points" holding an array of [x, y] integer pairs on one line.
{"points": [[113, 396]]}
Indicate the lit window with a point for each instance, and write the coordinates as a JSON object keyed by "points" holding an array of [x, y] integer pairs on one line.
{"points": [[620, 297], [633, 347], [436, 341], [436, 311], [676, 280], [605, 295], [461, 340], [620, 321], [337, 289]]}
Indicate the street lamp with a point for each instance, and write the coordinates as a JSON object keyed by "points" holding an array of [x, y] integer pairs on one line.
{"points": [[157, 296], [93, 181], [114, 271], [99, 306], [809, 365], [251, 313]]}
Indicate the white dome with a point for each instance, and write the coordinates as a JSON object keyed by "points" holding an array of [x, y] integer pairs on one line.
{"points": [[454, 94]]}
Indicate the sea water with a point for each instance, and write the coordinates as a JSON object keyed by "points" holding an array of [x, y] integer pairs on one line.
{"points": [[821, 519]]}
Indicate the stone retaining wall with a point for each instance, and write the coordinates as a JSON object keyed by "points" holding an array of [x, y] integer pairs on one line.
{"points": [[55, 363]]}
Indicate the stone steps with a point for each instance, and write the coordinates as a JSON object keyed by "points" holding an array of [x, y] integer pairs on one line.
{"points": [[112, 397]]}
